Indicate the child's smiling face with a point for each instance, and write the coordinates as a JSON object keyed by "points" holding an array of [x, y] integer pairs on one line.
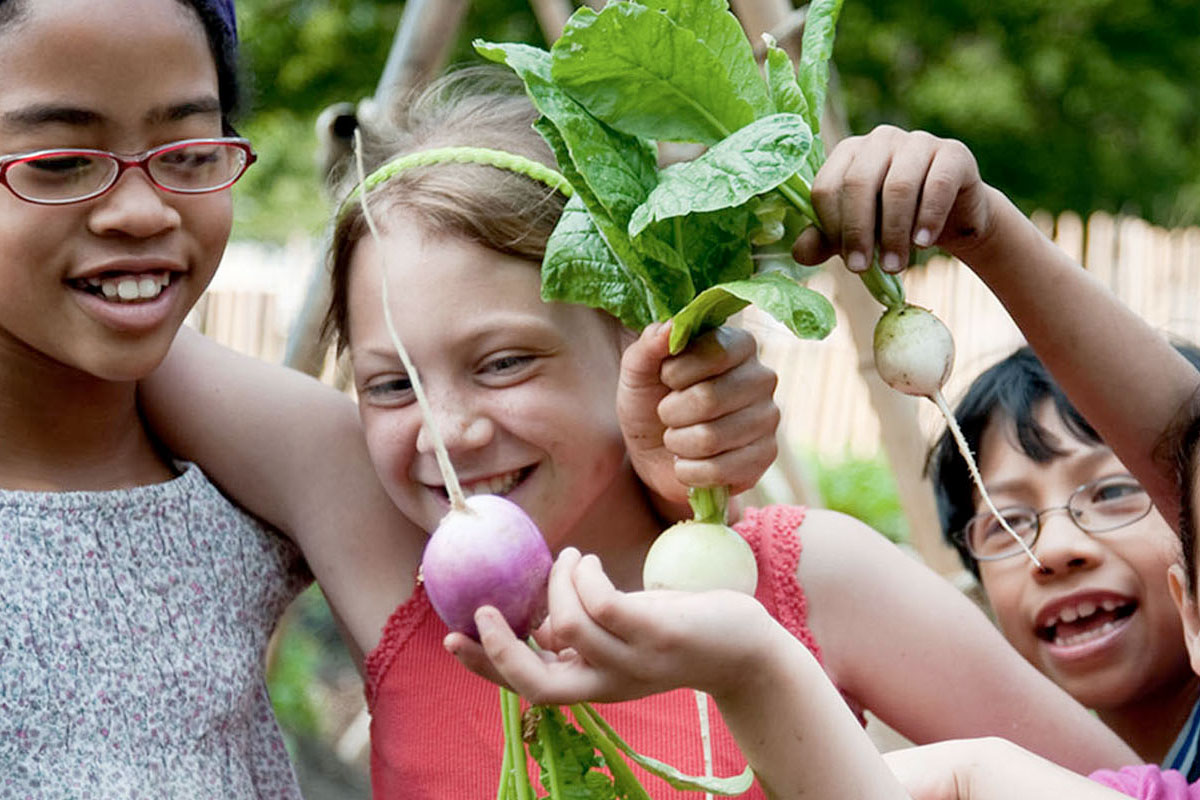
{"points": [[111, 95], [523, 391], [1099, 621]]}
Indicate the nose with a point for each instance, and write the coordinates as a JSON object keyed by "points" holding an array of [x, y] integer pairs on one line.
{"points": [[461, 425], [134, 207], [1063, 547]]}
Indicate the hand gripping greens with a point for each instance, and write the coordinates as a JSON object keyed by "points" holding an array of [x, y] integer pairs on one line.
{"points": [[649, 244]]}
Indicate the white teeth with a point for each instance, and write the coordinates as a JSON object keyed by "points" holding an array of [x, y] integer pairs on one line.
{"points": [[1084, 636], [1084, 609], [131, 288], [501, 485]]}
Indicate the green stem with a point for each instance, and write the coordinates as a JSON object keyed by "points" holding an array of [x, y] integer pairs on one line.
{"points": [[504, 791], [550, 751], [709, 505], [884, 287], [510, 712], [613, 758]]}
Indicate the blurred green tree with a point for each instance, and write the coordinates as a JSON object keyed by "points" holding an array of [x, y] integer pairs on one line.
{"points": [[1068, 104]]}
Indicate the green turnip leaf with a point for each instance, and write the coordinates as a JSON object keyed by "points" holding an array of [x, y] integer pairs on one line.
{"points": [[644, 74], [579, 267], [816, 48], [804, 312], [749, 162], [781, 81]]}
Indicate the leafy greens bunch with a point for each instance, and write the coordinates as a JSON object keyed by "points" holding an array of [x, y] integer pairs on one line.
{"points": [[647, 244]]}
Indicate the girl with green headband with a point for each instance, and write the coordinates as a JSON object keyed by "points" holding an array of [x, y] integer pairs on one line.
{"points": [[547, 404]]}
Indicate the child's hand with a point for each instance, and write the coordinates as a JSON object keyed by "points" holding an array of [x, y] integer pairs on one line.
{"points": [[605, 645], [987, 769], [904, 187], [705, 417]]}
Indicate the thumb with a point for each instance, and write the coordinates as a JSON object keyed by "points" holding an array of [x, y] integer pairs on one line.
{"points": [[641, 363]]}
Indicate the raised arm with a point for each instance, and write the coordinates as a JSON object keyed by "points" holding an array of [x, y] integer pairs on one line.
{"points": [[915, 651], [914, 188], [291, 450]]}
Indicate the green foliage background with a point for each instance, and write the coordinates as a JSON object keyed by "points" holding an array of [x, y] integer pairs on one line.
{"points": [[1067, 104]]}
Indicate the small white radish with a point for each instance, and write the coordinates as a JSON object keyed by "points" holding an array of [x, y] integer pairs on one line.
{"points": [[700, 556], [914, 354]]}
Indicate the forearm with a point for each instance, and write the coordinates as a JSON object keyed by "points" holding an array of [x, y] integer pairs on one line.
{"points": [[797, 732], [1122, 374], [988, 769]]}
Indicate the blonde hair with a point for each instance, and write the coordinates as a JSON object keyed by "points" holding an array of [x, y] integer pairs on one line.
{"points": [[499, 209]]}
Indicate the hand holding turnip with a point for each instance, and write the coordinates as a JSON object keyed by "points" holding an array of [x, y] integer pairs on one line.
{"points": [[914, 189], [908, 188], [703, 417], [606, 645]]}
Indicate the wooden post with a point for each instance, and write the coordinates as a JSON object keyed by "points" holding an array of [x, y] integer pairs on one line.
{"points": [[552, 17], [423, 40]]}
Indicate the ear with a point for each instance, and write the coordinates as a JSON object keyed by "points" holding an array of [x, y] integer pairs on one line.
{"points": [[1189, 613]]}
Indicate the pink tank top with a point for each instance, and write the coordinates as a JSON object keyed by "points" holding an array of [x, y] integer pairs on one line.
{"points": [[435, 726]]}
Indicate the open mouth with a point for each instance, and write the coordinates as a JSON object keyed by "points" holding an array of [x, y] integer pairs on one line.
{"points": [[1085, 621], [125, 287], [497, 484]]}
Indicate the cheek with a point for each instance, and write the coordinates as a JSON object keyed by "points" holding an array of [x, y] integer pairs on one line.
{"points": [[1003, 593]]}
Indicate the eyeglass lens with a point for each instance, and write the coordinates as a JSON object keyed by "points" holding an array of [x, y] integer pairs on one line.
{"points": [[1102, 505], [69, 175]]}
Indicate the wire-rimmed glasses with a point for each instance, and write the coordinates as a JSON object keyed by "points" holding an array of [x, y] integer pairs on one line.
{"points": [[1095, 507], [72, 175]]}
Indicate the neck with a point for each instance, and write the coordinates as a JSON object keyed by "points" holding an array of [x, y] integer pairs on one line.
{"points": [[65, 430], [620, 529], [1151, 724]]}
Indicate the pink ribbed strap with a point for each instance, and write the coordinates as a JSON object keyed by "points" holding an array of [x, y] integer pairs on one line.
{"points": [[396, 632]]}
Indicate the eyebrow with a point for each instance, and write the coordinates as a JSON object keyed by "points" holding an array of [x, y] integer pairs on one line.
{"points": [[36, 115], [1087, 461]]}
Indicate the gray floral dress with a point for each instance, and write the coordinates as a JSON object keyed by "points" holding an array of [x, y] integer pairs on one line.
{"points": [[133, 627]]}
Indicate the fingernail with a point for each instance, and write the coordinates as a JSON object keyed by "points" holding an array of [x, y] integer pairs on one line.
{"points": [[890, 262], [923, 238], [856, 261]]}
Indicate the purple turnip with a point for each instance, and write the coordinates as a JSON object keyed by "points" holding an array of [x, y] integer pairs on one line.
{"points": [[488, 553]]}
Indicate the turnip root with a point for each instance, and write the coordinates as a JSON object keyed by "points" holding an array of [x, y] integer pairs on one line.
{"points": [[914, 354], [699, 556], [490, 553]]}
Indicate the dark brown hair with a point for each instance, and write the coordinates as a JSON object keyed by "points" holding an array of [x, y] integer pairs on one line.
{"points": [[502, 210]]}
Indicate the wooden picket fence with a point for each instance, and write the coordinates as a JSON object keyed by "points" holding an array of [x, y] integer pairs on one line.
{"points": [[1155, 271]]}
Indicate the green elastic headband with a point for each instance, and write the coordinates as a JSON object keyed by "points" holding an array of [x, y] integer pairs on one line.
{"points": [[461, 155]]}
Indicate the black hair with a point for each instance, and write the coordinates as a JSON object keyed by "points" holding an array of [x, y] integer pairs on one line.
{"points": [[222, 43], [1185, 446], [1012, 389]]}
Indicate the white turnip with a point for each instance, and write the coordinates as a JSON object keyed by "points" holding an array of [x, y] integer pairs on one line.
{"points": [[699, 556], [914, 354]]}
